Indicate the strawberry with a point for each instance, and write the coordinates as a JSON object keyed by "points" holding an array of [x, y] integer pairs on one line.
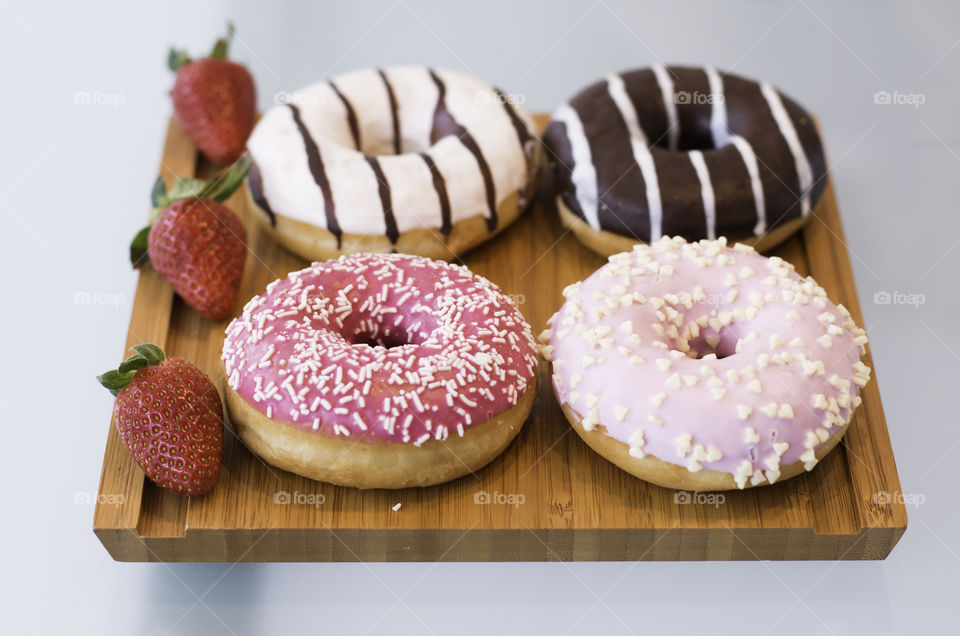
{"points": [[195, 243], [214, 101], [170, 417]]}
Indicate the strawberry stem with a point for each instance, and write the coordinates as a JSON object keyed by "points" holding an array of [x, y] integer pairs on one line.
{"points": [[146, 355]]}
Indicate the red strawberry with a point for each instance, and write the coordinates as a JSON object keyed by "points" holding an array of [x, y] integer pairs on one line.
{"points": [[214, 101], [170, 418], [197, 244]]}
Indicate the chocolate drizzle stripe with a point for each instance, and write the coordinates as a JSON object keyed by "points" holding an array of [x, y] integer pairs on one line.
{"points": [[523, 134], [440, 185], [445, 124], [351, 115], [315, 163], [383, 188], [394, 112], [255, 182]]}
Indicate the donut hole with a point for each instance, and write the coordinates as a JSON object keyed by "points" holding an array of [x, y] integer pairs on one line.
{"points": [[383, 145], [722, 345], [397, 338], [694, 133]]}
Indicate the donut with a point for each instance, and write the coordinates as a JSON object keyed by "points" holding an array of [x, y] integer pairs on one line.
{"points": [[683, 151], [379, 371], [403, 159], [705, 367]]}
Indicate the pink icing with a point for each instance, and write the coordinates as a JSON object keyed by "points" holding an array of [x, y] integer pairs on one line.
{"points": [[633, 351], [383, 347]]}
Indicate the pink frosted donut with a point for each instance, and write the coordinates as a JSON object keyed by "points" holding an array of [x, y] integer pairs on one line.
{"points": [[380, 371], [700, 366]]}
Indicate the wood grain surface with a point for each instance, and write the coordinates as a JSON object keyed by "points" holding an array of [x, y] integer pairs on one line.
{"points": [[548, 497]]}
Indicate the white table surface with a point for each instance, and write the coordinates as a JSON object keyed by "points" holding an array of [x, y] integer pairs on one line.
{"points": [[74, 189]]}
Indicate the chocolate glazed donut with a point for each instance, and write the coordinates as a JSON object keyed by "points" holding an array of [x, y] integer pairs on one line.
{"points": [[683, 151]]}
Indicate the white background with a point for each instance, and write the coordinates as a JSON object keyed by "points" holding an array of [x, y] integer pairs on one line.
{"points": [[74, 187]]}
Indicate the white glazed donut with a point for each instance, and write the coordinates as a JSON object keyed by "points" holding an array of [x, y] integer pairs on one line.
{"points": [[705, 367], [407, 159]]}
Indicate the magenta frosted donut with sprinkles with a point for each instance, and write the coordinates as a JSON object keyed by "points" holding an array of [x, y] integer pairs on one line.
{"points": [[705, 367], [379, 371], [682, 151]]}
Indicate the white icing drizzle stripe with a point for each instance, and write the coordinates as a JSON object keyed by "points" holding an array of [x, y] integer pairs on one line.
{"points": [[750, 160], [706, 191], [804, 172], [641, 154], [718, 112], [584, 174], [665, 82]]}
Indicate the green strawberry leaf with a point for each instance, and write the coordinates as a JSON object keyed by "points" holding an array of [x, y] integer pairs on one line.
{"points": [[186, 188], [133, 363], [231, 180], [151, 352], [177, 59], [145, 356], [158, 196], [138, 248], [114, 381], [222, 46]]}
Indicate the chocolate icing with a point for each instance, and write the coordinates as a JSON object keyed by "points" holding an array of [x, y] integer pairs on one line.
{"points": [[623, 205]]}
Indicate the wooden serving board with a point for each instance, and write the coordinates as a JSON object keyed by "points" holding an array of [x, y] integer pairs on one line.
{"points": [[548, 497]]}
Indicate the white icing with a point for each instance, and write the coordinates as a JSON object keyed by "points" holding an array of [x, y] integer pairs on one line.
{"points": [[750, 160], [718, 111], [665, 82], [583, 173], [278, 149], [376, 126], [804, 172], [641, 153], [706, 192]]}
